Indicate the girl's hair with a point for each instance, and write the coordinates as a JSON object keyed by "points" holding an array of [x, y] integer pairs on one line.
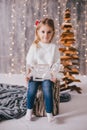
{"points": [[45, 21]]}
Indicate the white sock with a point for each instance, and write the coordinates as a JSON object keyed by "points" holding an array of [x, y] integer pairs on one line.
{"points": [[50, 117], [29, 114]]}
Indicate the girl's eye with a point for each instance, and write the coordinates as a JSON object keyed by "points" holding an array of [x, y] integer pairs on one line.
{"points": [[49, 31], [43, 32]]}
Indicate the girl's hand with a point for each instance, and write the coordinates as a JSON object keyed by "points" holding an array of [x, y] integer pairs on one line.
{"points": [[27, 78], [54, 79]]}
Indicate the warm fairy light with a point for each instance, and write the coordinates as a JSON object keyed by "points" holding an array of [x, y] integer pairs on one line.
{"points": [[45, 14], [77, 3], [58, 7], [12, 43], [11, 33], [10, 49], [56, 19], [12, 59], [23, 39], [12, 64], [86, 61], [85, 12], [12, 40], [10, 54]]}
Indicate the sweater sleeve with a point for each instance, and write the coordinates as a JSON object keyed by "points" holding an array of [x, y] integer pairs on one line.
{"points": [[56, 65], [30, 56], [56, 55]]}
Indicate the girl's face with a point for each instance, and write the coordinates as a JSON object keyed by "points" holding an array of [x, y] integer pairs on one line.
{"points": [[45, 33]]}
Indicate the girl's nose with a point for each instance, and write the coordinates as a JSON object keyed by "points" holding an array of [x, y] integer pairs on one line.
{"points": [[46, 34]]}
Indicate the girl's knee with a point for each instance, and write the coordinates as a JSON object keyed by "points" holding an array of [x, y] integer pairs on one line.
{"points": [[47, 88], [47, 83], [32, 87]]}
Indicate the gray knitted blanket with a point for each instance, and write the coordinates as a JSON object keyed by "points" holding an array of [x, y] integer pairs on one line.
{"points": [[12, 101]]}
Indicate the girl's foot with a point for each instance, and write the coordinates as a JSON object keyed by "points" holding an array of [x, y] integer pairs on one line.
{"points": [[50, 117], [28, 114]]}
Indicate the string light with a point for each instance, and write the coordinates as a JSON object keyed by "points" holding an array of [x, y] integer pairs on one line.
{"points": [[85, 36], [57, 24], [23, 38], [45, 14], [36, 11], [12, 42]]}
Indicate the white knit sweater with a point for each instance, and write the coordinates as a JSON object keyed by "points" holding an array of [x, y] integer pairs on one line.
{"points": [[46, 53]]}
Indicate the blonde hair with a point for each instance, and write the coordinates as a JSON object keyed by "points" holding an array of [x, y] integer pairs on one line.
{"points": [[45, 21]]}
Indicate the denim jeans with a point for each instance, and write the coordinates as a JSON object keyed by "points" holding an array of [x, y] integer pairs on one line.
{"points": [[47, 93]]}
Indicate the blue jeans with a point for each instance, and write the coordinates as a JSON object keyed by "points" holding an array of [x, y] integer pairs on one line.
{"points": [[47, 93]]}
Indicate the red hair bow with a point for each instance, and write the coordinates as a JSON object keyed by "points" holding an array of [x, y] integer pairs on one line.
{"points": [[37, 22]]}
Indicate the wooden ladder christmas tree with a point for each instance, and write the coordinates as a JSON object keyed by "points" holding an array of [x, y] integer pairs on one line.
{"points": [[69, 55]]}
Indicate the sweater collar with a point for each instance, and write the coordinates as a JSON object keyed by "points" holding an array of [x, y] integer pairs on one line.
{"points": [[44, 44]]}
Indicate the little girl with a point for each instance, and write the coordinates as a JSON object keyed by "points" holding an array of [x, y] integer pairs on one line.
{"points": [[42, 51]]}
